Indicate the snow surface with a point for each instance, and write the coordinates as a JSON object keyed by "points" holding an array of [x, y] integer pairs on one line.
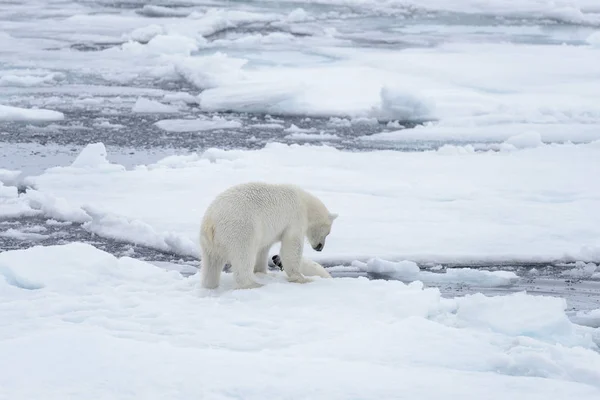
{"points": [[535, 204], [476, 68], [197, 125], [9, 113], [84, 324], [143, 105], [408, 271], [588, 318]]}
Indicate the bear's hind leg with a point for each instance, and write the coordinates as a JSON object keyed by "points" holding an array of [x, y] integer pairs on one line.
{"points": [[243, 271], [262, 262], [210, 270]]}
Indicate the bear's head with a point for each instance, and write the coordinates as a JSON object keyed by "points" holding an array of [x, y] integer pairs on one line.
{"points": [[318, 230]]}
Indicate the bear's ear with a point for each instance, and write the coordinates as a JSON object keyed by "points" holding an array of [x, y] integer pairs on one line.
{"points": [[332, 217]]}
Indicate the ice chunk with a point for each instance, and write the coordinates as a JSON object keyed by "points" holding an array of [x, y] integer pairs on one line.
{"points": [[297, 15], [137, 232], [9, 177], [197, 125], [525, 140], [594, 39], [150, 10], [397, 104], [92, 156], [161, 45], [410, 271], [210, 71], [23, 80], [146, 33], [143, 105], [9, 113], [183, 97], [588, 318], [581, 270], [312, 136], [403, 270], [537, 316], [55, 207], [20, 235]]}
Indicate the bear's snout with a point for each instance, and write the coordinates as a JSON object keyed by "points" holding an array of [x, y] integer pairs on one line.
{"points": [[318, 247]]}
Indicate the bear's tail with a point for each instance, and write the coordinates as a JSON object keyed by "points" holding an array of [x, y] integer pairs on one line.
{"points": [[207, 233]]}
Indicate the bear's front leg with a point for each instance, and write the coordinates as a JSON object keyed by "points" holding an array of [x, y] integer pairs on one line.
{"points": [[292, 246]]}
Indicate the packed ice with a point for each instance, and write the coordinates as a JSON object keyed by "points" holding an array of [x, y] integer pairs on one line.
{"points": [[496, 102]]}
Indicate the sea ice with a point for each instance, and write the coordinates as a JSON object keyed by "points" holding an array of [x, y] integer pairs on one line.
{"points": [[424, 206], [123, 327], [9, 113]]}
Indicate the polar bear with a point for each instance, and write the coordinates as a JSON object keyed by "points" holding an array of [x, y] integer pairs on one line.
{"points": [[243, 222]]}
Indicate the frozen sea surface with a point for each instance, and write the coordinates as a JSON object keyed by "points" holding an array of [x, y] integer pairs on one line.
{"points": [[458, 140]]}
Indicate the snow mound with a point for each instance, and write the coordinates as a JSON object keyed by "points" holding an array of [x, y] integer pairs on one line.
{"points": [[453, 150], [54, 207], [12, 205], [397, 104], [9, 177], [537, 316], [143, 105], [9, 113], [140, 233], [525, 140], [312, 136], [410, 271], [594, 39], [150, 10], [403, 270], [146, 33], [28, 80], [209, 71], [441, 208], [182, 97], [94, 156], [589, 318], [581, 270], [20, 235], [77, 303], [197, 125], [162, 45]]}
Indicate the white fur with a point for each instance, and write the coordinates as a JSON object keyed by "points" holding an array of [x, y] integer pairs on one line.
{"points": [[313, 268], [242, 223]]}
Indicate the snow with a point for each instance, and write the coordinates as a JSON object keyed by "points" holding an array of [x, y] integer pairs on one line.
{"points": [[581, 270], [130, 328], [197, 125], [496, 70], [408, 271], [312, 136], [11, 205], [396, 104], [28, 78], [93, 156], [508, 92], [423, 206], [9, 113], [525, 139], [183, 97], [143, 105], [20, 235], [146, 33], [588, 318], [9, 177], [594, 39]]}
